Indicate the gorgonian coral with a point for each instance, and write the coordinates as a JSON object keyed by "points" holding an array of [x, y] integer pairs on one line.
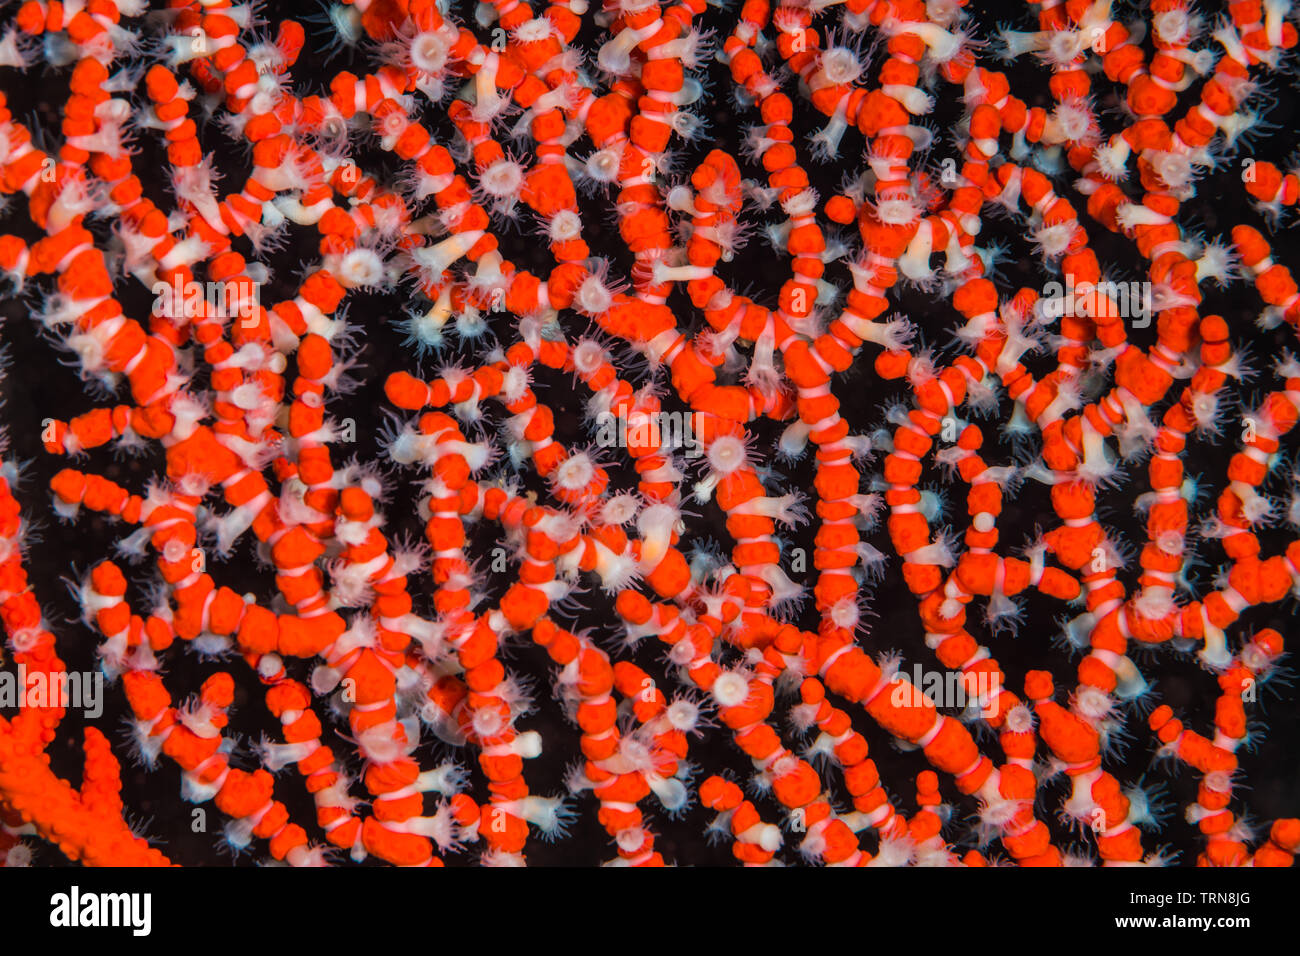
{"points": [[408, 462]]}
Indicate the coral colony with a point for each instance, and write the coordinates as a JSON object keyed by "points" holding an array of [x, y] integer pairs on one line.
{"points": [[642, 498]]}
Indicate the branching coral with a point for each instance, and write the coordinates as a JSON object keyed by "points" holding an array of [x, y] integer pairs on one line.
{"points": [[416, 174]]}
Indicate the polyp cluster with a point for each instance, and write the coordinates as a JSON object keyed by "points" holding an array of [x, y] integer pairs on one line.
{"points": [[401, 643]]}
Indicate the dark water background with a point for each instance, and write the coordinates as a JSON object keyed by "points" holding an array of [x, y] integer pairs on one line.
{"points": [[40, 386]]}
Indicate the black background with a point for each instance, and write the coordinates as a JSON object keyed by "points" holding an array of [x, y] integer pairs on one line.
{"points": [[41, 385]]}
